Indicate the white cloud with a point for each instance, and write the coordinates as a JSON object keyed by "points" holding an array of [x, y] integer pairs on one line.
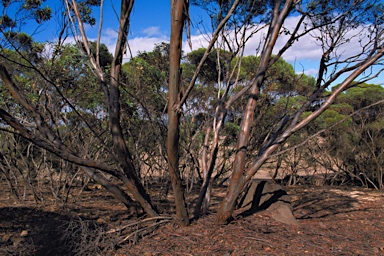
{"points": [[69, 40], [108, 38], [309, 72], [144, 44], [304, 54], [198, 41], [151, 31], [305, 48], [136, 44]]}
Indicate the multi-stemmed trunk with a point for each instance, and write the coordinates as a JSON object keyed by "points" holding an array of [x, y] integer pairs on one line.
{"points": [[238, 178]]}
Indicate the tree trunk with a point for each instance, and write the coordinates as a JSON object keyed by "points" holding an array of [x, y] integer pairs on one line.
{"points": [[112, 95], [123, 155], [203, 201], [54, 144], [178, 16], [238, 178]]}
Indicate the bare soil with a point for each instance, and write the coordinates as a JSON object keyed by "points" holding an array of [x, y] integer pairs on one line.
{"points": [[332, 221]]}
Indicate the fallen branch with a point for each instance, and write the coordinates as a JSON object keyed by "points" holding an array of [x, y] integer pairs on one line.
{"points": [[138, 223], [143, 229]]}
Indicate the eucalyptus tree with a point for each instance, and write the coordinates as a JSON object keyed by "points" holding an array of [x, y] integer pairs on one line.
{"points": [[336, 24], [332, 25], [46, 135], [144, 100], [358, 144], [281, 84]]}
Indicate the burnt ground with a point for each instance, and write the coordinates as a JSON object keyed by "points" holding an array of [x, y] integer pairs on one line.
{"points": [[332, 221]]}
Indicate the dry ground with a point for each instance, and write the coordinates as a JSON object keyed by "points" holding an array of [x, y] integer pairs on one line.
{"points": [[333, 221]]}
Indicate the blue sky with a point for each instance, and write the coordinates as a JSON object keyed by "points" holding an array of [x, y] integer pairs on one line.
{"points": [[150, 25]]}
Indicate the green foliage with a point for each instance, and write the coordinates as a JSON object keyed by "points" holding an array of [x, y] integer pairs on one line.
{"points": [[146, 77], [147, 72], [6, 22], [86, 13], [281, 79], [288, 104], [248, 67], [19, 40], [362, 95], [75, 79], [43, 14], [331, 117], [31, 4], [105, 57], [24, 76], [231, 130], [143, 99], [377, 126], [92, 2], [356, 142], [210, 70], [23, 12], [39, 13]]}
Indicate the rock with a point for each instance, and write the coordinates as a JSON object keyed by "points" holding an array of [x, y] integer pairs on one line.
{"points": [[265, 195], [282, 212]]}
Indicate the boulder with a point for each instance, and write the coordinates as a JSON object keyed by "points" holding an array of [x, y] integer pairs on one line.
{"points": [[266, 195]]}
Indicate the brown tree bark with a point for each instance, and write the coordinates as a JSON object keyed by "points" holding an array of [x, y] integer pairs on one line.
{"points": [[238, 179], [123, 155], [47, 139], [112, 95], [179, 9], [240, 175], [208, 163]]}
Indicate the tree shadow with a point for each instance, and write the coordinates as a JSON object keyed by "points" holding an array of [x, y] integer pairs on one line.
{"points": [[28, 231], [260, 195], [321, 203]]}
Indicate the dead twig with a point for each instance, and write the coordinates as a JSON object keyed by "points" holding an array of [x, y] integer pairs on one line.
{"points": [[143, 229], [138, 223], [181, 236], [260, 240]]}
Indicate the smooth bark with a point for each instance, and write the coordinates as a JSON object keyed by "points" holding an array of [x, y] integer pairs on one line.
{"points": [[238, 179], [179, 10]]}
